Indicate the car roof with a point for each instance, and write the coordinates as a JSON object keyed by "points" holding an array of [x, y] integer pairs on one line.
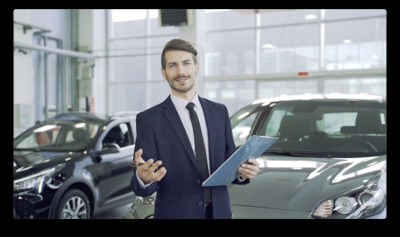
{"points": [[79, 116], [95, 117], [326, 96]]}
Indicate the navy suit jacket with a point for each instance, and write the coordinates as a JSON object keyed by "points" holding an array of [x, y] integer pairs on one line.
{"points": [[161, 135]]}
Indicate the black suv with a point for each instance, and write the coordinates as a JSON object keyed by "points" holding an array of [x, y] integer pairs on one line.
{"points": [[74, 166]]}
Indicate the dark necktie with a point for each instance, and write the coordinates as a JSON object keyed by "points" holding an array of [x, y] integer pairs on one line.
{"points": [[200, 150]]}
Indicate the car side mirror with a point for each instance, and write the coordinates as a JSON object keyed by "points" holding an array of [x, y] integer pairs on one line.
{"points": [[109, 148]]}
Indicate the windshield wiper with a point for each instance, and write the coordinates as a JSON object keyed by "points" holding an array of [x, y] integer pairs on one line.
{"points": [[283, 153], [299, 154], [27, 149]]}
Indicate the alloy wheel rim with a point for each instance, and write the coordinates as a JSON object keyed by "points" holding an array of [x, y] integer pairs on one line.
{"points": [[75, 208]]}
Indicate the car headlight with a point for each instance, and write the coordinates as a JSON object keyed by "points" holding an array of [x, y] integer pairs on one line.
{"points": [[367, 201], [371, 198], [33, 182], [345, 205]]}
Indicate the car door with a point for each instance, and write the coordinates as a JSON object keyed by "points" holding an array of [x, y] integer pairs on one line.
{"points": [[113, 171]]}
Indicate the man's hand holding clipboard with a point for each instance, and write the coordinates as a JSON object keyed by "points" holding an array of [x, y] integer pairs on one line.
{"points": [[230, 169], [248, 170]]}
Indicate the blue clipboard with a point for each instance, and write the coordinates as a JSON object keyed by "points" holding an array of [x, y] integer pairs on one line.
{"points": [[227, 172]]}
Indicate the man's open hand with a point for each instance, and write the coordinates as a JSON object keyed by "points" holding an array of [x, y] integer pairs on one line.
{"points": [[148, 171]]}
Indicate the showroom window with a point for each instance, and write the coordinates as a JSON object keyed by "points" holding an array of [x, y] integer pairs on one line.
{"points": [[355, 44], [251, 54], [227, 56], [289, 49], [135, 44], [293, 52], [234, 94]]}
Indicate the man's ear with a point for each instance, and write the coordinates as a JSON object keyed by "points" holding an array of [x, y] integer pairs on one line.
{"points": [[163, 73], [197, 67]]}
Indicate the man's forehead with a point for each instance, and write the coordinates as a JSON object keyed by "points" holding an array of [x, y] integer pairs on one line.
{"points": [[177, 56]]}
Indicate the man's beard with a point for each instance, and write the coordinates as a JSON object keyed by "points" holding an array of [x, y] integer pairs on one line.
{"points": [[182, 89]]}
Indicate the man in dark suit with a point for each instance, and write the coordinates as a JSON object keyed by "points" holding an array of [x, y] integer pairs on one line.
{"points": [[166, 152]]}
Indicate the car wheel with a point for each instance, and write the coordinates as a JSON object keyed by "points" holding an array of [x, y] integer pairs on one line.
{"points": [[74, 205]]}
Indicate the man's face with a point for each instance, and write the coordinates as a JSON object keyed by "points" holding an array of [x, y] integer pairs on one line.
{"points": [[180, 71]]}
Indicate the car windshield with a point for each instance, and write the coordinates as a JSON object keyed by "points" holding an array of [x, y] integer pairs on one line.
{"points": [[57, 136], [316, 128]]}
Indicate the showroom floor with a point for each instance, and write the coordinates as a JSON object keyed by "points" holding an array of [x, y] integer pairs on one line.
{"points": [[116, 213]]}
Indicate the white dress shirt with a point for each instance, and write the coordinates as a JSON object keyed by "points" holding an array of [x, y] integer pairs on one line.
{"points": [[180, 105]]}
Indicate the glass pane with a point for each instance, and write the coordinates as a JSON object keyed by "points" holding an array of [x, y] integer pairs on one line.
{"points": [[119, 47], [272, 128], [230, 19], [127, 96], [242, 121], [334, 14], [154, 64], [356, 44], [118, 135], [289, 49], [129, 29], [128, 68], [128, 23], [123, 15], [159, 91], [58, 135], [275, 88], [242, 130], [376, 86], [288, 16], [331, 123], [234, 94], [230, 53], [156, 44]]}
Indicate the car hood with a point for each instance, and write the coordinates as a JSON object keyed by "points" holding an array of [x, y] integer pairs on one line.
{"points": [[300, 183], [30, 162]]}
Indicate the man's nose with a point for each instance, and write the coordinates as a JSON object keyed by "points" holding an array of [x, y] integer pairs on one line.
{"points": [[180, 70]]}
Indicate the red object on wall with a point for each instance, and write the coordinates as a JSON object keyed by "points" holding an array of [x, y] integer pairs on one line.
{"points": [[302, 74]]}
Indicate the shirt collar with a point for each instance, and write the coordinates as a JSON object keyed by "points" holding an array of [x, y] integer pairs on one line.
{"points": [[180, 103]]}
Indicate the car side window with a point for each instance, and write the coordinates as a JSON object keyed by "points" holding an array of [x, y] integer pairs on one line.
{"points": [[119, 134], [272, 128], [242, 130]]}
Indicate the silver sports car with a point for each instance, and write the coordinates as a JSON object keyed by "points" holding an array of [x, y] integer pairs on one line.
{"points": [[329, 161]]}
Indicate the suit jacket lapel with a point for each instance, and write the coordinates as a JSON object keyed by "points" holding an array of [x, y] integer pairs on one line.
{"points": [[174, 120]]}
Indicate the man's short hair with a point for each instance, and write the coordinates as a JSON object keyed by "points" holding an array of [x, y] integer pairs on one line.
{"points": [[178, 44]]}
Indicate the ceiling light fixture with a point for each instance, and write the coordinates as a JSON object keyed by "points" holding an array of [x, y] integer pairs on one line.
{"points": [[311, 17], [346, 41]]}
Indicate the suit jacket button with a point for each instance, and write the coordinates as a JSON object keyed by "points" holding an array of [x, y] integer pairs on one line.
{"points": [[199, 181], [200, 203]]}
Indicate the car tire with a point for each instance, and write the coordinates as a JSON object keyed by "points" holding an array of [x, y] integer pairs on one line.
{"points": [[73, 205]]}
